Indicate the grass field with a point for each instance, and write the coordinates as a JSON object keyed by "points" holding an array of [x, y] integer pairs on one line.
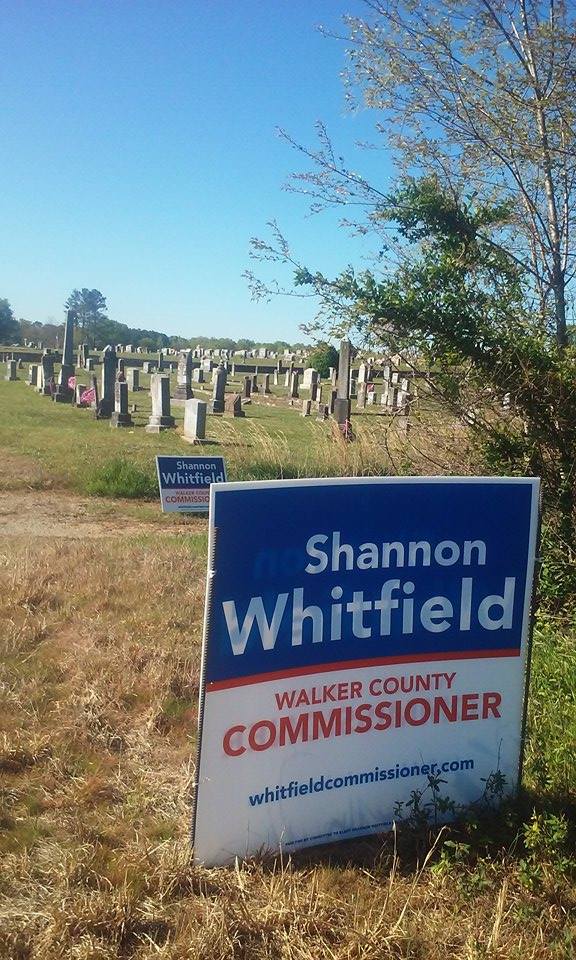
{"points": [[100, 638]]}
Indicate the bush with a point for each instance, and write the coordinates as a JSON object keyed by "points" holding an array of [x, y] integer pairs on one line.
{"points": [[122, 478], [322, 357]]}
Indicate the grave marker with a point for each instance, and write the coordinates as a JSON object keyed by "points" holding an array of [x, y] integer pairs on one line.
{"points": [[160, 418]]}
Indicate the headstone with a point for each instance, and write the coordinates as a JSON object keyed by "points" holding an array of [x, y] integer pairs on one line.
{"points": [[266, 383], [306, 408], [11, 370], [121, 366], [323, 411], [361, 399], [120, 416], [294, 385], [333, 373], [184, 376], [33, 374], [160, 418], [90, 364], [364, 373], [352, 388], [371, 398], [314, 389], [64, 393], [233, 405], [148, 366], [255, 388], [160, 365], [198, 375], [218, 391], [133, 379], [79, 389], [287, 376], [342, 401], [247, 388], [275, 378], [195, 420], [106, 403], [310, 377], [46, 373], [333, 396]]}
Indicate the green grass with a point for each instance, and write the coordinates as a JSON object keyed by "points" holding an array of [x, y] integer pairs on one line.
{"points": [[59, 446]]}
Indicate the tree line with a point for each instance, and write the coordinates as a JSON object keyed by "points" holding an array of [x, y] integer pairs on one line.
{"points": [[97, 329]]}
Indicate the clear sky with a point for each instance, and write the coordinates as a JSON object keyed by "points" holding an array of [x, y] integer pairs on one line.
{"points": [[140, 155]]}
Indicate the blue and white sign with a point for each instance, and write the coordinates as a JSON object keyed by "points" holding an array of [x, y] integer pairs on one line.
{"points": [[364, 638], [185, 482]]}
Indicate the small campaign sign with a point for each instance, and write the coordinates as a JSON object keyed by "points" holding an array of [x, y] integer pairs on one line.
{"points": [[365, 642], [184, 482]]}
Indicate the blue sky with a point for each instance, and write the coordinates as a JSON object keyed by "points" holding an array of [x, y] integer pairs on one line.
{"points": [[140, 155]]}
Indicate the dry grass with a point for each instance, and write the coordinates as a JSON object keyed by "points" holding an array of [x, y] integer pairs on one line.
{"points": [[99, 687]]}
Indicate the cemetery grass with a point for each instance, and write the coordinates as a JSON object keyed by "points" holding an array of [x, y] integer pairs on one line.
{"points": [[99, 678], [48, 446]]}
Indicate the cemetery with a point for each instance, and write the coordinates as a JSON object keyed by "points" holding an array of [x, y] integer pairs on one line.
{"points": [[103, 636], [288, 528]]}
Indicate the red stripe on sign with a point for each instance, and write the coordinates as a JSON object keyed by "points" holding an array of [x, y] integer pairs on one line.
{"points": [[358, 664]]}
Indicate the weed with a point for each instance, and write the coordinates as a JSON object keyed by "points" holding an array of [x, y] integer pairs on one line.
{"points": [[122, 478]]}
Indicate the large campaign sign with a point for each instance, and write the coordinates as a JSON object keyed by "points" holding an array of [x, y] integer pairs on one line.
{"points": [[364, 639], [184, 482]]}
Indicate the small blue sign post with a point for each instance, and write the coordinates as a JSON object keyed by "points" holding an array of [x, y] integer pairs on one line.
{"points": [[184, 482], [364, 638]]}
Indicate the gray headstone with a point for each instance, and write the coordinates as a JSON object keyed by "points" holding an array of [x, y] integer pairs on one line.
{"points": [[194, 420], [106, 403], [184, 376], [310, 377], [46, 373], [233, 406], [133, 379], [11, 370], [120, 416], [160, 418], [306, 408], [64, 393], [218, 391], [341, 404], [33, 374]]}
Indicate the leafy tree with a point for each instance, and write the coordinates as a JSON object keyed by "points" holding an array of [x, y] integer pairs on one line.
{"points": [[9, 327], [476, 256], [90, 306], [480, 96], [459, 307], [322, 357]]}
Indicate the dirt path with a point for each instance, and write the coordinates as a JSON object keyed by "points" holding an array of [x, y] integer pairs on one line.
{"points": [[41, 513]]}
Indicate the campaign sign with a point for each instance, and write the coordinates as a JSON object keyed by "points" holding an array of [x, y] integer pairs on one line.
{"points": [[364, 638], [185, 482]]}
